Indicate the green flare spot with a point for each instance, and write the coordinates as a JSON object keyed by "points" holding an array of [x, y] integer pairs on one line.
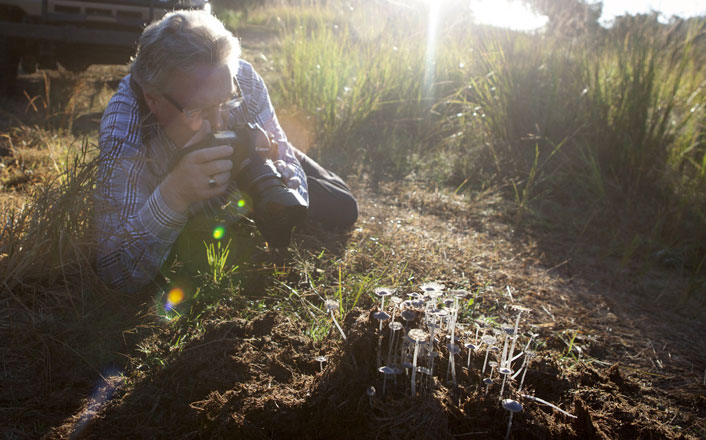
{"points": [[219, 232]]}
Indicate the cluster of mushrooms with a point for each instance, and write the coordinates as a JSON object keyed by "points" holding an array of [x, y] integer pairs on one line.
{"points": [[418, 327]]}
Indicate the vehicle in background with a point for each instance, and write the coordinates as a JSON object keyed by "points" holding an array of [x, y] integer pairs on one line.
{"points": [[74, 33]]}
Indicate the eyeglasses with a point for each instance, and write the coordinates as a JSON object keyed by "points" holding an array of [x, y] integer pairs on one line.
{"points": [[202, 113]]}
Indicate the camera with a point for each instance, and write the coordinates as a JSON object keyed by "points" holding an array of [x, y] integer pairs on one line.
{"points": [[277, 208]]}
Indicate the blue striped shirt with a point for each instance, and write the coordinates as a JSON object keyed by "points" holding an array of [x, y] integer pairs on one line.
{"points": [[135, 227]]}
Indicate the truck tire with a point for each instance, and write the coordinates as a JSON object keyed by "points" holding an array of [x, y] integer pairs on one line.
{"points": [[9, 61]]}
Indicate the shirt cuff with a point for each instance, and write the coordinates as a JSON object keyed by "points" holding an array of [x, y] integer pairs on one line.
{"points": [[160, 220]]}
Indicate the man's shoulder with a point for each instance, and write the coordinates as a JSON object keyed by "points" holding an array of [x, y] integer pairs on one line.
{"points": [[121, 118], [248, 76]]}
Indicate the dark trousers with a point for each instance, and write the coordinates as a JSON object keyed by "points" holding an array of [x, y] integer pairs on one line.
{"points": [[330, 200]]}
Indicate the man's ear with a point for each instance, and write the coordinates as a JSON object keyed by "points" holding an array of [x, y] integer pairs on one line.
{"points": [[152, 101]]}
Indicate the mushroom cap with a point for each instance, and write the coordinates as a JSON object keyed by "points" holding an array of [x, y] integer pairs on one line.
{"points": [[381, 316], [512, 405], [396, 300], [459, 293], [386, 370], [489, 339], [508, 329], [331, 304], [383, 291], [433, 294], [320, 358], [370, 391], [505, 370], [431, 286], [439, 312], [408, 315], [453, 348], [414, 295], [418, 335], [406, 365], [488, 381], [470, 346], [493, 364], [394, 325]]}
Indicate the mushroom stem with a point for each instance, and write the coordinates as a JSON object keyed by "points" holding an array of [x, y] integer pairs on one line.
{"points": [[389, 349], [338, 326], [502, 388], [522, 381], [384, 382], [485, 362], [414, 370], [514, 339], [509, 426]]}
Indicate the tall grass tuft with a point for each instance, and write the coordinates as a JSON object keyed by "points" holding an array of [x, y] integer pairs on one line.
{"points": [[609, 122], [46, 247]]}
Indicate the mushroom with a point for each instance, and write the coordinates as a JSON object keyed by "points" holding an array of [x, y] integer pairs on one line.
{"points": [[370, 391], [332, 305], [453, 351], [432, 287], [512, 406], [488, 340], [394, 328], [321, 360], [386, 371], [418, 336], [471, 348], [529, 355]]}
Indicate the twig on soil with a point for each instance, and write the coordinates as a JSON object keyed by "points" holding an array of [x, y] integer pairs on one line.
{"points": [[542, 401]]}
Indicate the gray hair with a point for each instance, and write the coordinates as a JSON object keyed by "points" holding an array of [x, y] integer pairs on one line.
{"points": [[179, 41]]}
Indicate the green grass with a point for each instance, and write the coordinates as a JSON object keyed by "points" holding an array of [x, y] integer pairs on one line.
{"points": [[611, 123]]}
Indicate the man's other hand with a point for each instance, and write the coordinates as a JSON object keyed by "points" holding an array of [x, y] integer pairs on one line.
{"points": [[199, 175]]}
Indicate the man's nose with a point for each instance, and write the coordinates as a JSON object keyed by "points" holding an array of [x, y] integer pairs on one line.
{"points": [[217, 120]]}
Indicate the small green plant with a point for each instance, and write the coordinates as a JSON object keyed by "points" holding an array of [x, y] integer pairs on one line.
{"points": [[217, 258]]}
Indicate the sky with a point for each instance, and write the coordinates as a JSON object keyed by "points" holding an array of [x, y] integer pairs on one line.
{"points": [[516, 15]]}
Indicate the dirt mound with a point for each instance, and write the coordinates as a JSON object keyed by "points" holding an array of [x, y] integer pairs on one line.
{"points": [[259, 378]]}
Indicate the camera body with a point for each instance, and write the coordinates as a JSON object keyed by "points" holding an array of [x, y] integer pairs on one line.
{"points": [[277, 208]]}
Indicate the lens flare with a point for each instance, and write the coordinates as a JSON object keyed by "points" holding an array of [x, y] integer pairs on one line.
{"points": [[219, 232], [241, 203], [175, 296]]}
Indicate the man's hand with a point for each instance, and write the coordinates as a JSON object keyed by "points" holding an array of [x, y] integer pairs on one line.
{"points": [[189, 181]]}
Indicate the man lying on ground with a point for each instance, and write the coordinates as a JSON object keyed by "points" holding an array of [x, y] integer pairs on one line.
{"points": [[186, 82]]}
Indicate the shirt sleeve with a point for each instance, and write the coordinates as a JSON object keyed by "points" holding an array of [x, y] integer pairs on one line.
{"points": [[135, 229], [258, 98]]}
